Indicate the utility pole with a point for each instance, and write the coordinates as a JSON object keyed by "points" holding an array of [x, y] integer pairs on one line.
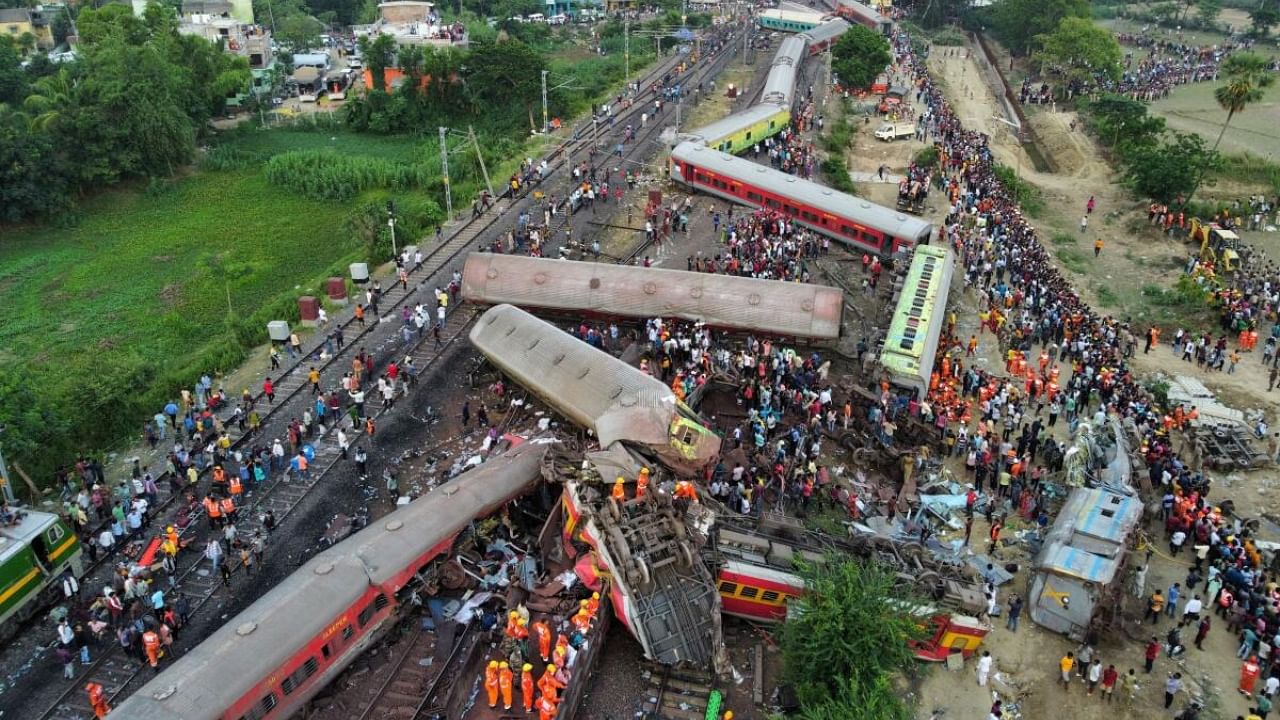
{"points": [[444, 168], [391, 223], [626, 49], [480, 156], [544, 102]]}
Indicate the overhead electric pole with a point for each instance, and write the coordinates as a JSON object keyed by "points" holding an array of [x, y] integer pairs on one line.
{"points": [[544, 101], [444, 169]]}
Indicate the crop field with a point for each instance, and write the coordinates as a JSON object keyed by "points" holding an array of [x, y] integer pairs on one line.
{"points": [[1191, 108]]}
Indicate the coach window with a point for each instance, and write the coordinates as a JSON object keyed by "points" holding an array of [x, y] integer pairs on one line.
{"points": [[748, 592], [264, 706], [728, 588], [772, 203], [769, 596], [299, 676], [754, 197]]}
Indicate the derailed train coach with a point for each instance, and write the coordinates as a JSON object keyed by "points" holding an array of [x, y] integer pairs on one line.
{"points": [[268, 661], [1077, 576], [860, 224], [795, 311], [593, 389]]}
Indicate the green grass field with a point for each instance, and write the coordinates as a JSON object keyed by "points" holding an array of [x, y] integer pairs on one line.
{"points": [[1192, 108], [139, 275]]}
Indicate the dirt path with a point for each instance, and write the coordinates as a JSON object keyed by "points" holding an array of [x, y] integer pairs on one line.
{"points": [[1133, 256]]}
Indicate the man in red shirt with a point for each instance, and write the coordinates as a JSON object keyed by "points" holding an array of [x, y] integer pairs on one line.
{"points": [[1153, 652], [1109, 677]]}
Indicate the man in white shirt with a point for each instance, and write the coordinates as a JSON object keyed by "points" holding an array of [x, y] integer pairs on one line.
{"points": [[984, 668], [1191, 613]]}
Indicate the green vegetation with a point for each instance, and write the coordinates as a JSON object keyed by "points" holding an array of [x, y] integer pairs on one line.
{"points": [[1018, 24], [847, 640], [1157, 163], [859, 56], [927, 157], [1072, 260], [1063, 239], [131, 107], [1028, 196], [1248, 76], [328, 176], [1079, 51]]}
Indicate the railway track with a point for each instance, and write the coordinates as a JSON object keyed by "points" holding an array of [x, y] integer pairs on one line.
{"points": [[672, 694], [113, 669], [410, 688], [199, 580]]}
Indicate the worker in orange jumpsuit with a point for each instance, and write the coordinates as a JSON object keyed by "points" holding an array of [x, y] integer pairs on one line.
{"points": [[228, 506], [491, 683], [642, 482], [526, 687], [522, 629], [582, 619], [543, 631], [513, 622], [1249, 675], [97, 700], [214, 512], [619, 490], [171, 534], [593, 604], [505, 679], [685, 489], [561, 653], [547, 708], [549, 685], [151, 643]]}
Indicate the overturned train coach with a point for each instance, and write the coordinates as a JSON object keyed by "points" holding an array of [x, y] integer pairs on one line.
{"points": [[268, 661], [595, 390], [799, 311]]}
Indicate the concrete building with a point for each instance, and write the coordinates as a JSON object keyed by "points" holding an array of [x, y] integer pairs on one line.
{"points": [[412, 22]]}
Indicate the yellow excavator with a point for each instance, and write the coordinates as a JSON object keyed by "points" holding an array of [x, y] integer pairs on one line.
{"points": [[1218, 245]]}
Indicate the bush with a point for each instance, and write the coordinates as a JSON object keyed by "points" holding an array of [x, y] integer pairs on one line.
{"points": [[223, 157], [837, 175], [927, 157], [322, 175], [1027, 195]]}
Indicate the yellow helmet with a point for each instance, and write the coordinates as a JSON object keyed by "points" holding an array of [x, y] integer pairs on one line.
{"points": [[551, 668], [493, 663], [619, 480], [504, 666], [595, 596], [527, 668], [513, 614]]}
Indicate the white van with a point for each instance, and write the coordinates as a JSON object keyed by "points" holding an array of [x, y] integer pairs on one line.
{"points": [[895, 131], [536, 18], [558, 19]]}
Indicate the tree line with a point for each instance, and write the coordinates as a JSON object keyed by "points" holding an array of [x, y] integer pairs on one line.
{"points": [[130, 106]]}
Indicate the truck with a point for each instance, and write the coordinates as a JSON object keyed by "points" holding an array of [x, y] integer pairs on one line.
{"points": [[895, 131]]}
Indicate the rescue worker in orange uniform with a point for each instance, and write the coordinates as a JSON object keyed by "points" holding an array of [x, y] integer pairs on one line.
{"points": [[593, 604], [228, 509], [549, 686], [546, 709], [151, 643], [171, 534], [582, 619], [619, 491], [526, 687], [642, 483], [685, 489], [491, 683], [213, 510], [97, 700], [513, 622], [505, 679], [235, 486], [543, 631]]}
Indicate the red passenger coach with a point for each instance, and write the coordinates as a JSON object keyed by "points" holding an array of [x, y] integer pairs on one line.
{"points": [[858, 223]]}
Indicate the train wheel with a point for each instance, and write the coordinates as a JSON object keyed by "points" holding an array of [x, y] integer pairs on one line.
{"points": [[932, 584], [684, 555], [641, 570]]}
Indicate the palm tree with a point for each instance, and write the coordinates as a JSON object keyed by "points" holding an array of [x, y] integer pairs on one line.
{"points": [[53, 95], [1247, 80]]}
